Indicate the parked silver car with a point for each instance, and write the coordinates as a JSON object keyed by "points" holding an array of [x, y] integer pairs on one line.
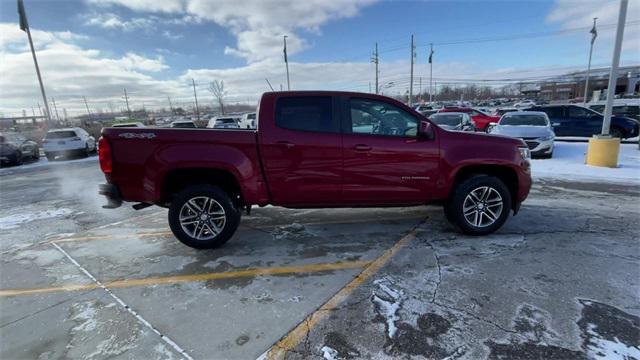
{"points": [[454, 121], [533, 127]]}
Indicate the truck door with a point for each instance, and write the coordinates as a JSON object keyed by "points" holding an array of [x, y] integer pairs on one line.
{"points": [[302, 150], [384, 161]]}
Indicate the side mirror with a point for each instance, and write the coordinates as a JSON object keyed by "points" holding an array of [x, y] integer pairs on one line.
{"points": [[426, 131]]}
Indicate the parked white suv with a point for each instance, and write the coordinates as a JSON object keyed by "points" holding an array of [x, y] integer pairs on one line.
{"points": [[68, 142], [224, 122], [248, 121]]}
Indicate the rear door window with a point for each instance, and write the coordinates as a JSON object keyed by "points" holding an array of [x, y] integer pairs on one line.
{"points": [[306, 113]]}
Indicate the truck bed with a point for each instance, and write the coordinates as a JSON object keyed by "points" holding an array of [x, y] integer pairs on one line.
{"points": [[143, 159]]}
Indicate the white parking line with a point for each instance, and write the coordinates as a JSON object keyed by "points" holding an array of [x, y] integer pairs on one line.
{"points": [[144, 322]]}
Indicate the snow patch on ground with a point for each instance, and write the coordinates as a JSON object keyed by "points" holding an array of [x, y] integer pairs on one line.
{"points": [[568, 163], [329, 353], [609, 349], [44, 163], [13, 221], [387, 302], [294, 230]]}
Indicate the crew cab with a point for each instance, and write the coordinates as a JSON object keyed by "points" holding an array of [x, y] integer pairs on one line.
{"points": [[314, 149], [481, 119]]}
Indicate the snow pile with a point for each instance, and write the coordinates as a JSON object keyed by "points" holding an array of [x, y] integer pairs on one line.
{"points": [[293, 230], [568, 163], [387, 302], [329, 353], [12, 221]]}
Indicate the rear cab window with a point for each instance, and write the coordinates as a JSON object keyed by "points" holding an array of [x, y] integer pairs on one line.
{"points": [[61, 134], [307, 113]]}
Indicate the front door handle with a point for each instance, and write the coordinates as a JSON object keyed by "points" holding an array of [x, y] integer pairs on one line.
{"points": [[286, 144], [362, 147]]}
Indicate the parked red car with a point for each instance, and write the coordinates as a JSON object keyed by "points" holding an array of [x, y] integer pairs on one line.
{"points": [[481, 119], [312, 150]]}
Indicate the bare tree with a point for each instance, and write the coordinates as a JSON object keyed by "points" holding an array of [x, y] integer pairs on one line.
{"points": [[217, 89]]}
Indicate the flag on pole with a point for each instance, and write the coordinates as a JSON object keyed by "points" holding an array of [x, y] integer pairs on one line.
{"points": [[285, 50], [23, 16], [431, 57], [593, 32]]}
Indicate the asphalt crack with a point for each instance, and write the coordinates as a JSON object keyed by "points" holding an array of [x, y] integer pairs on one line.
{"points": [[476, 317], [437, 258]]}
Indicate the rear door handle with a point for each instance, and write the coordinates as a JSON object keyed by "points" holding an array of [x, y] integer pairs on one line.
{"points": [[362, 147], [286, 144]]}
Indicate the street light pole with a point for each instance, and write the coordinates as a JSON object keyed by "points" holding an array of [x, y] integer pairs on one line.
{"points": [[413, 55], [24, 26], [613, 75], [286, 62], [586, 83]]}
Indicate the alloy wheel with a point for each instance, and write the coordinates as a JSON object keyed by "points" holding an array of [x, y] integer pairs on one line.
{"points": [[202, 218], [482, 207]]}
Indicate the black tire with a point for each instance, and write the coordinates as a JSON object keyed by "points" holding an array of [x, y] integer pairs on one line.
{"points": [[457, 201], [86, 151], [36, 154], [18, 160], [50, 157], [231, 216], [617, 133]]}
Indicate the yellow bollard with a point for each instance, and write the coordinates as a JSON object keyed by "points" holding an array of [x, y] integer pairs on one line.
{"points": [[603, 151]]}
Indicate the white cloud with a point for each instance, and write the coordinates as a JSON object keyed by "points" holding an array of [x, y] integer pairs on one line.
{"points": [[574, 14], [257, 25], [113, 21]]}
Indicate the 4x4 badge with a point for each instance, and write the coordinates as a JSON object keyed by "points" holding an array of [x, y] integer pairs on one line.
{"points": [[137, 135]]}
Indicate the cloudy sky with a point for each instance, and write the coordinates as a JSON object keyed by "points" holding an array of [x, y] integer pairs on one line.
{"points": [[95, 48]]}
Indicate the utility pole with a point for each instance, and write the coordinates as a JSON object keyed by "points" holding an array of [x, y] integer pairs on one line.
{"points": [[126, 99], [170, 105], [286, 62], [376, 60], [430, 72], [64, 112], [195, 95], [413, 55], [613, 75], [40, 110], [420, 88], [594, 34], [87, 106], [24, 26], [55, 107]]}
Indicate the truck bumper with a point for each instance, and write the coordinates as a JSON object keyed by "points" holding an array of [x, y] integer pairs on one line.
{"points": [[111, 192]]}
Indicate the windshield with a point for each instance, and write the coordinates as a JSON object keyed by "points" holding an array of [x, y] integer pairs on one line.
{"points": [[447, 119], [11, 138], [519, 120], [61, 134], [251, 116], [226, 121]]}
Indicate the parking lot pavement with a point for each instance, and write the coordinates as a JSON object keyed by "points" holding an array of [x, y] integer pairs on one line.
{"points": [[559, 280]]}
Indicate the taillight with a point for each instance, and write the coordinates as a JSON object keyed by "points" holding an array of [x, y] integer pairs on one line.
{"points": [[104, 155]]}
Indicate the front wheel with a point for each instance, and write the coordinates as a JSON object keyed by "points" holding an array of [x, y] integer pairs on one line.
{"points": [[479, 205], [203, 217]]}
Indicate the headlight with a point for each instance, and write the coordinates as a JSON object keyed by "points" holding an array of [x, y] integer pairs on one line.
{"points": [[525, 153], [546, 138]]}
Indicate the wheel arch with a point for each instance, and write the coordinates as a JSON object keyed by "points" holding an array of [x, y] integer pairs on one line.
{"points": [[505, 173], [176, 180]]}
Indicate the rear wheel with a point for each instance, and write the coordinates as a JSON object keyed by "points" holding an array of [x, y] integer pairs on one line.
{"points": [[36, 154], [50, 157], [479, 205], [203, 217]]}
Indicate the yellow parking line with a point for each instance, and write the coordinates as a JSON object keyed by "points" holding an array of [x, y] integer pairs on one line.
{"points": [[283, 270], [295, 336], [111, 237]]}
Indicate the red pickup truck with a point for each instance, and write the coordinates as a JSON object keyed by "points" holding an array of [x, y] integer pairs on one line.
{"points": [[314, 149]]}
